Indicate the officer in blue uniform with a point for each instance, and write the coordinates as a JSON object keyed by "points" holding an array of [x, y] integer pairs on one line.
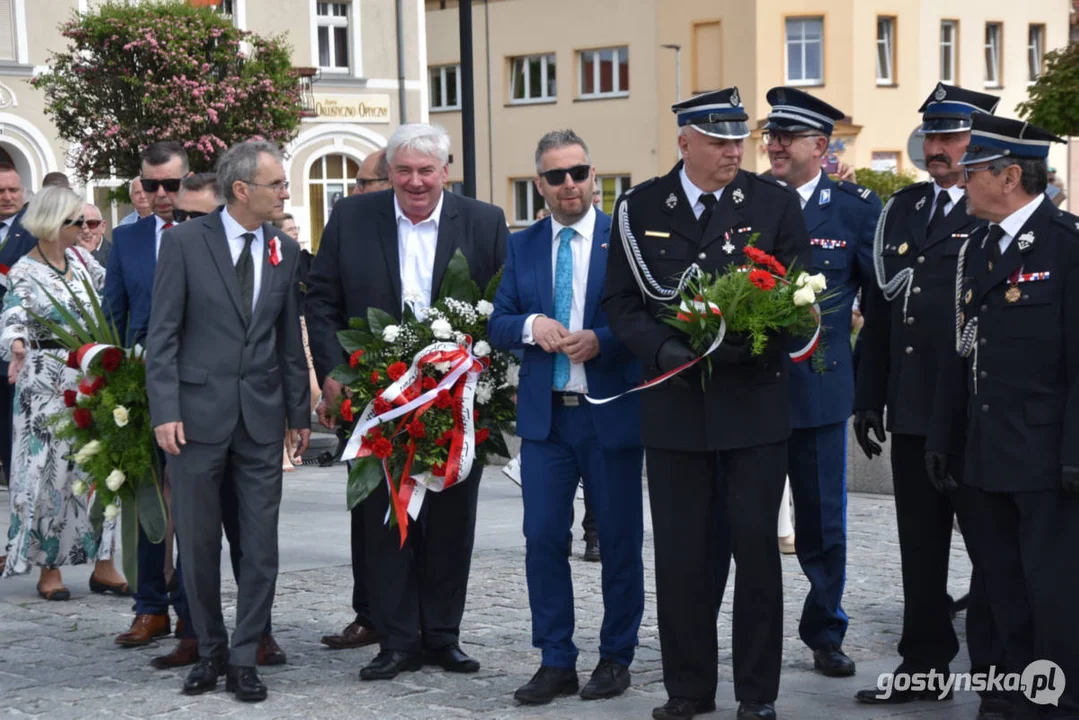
{"points": [[1016, 394], [841, 218]]}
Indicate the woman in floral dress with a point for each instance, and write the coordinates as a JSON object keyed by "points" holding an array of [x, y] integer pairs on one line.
{"points": [[50, 525]]}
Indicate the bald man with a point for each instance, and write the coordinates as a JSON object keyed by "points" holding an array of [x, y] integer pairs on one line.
{"points": [[374, 174]]}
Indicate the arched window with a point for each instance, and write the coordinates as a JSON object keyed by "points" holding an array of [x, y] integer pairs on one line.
{"points": [[329, 179]]}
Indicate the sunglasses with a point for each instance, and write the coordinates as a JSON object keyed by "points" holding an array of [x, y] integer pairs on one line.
{"points": [[80, 221], [785, 139], [171, 185], [182, 215], [557, 176]]}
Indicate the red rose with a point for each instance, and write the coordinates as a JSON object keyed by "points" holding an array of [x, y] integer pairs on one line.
{"points": [[482, 434], [382, 406], [374, 377], [444, 400], [396, 370], [382, 448], [417, 429], [354, 359], [441, 441], [475, 416], [70, 397], [374, 433], [429, 383], [98, 384], [83, 418], [762, 279], [73, 360], [346, 411], [438, 470], [111, 359]]}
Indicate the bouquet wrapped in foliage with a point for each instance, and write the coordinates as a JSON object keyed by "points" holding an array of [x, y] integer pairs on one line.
{"points": [[429, 395], [108, 422]]}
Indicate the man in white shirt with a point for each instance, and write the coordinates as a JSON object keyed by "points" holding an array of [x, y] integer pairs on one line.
{"points": [[140, 200]]}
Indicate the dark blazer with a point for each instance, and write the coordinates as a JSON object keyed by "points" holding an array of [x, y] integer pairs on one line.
{"points": [[129, 277], [742, 406], [357, 264], [902, 351], [18, 242], [527, 288], [840, 218]]}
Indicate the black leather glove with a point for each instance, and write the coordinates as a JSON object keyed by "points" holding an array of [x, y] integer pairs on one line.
{"points": [[936, 466], [735, 349], [864, 421], [1070, 479], [673, 353]]}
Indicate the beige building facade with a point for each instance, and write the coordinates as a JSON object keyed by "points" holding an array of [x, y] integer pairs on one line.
{"points": [[349, 46], [610, 70]]}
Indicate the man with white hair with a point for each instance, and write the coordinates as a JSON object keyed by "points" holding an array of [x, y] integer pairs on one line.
{"points": [[92, 234], [140, 199], [377, 249]]}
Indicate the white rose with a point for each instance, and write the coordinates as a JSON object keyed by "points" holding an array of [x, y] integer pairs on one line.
{"points": [[484, 308], [484, 391], [390, 333], [442, 329], [804, 296], [442, 367], [79, 487], [803, 278], [817, 282], [482, 349], [513, 374], [111, 511], [115, 479], [119, 415], [87, 451]]}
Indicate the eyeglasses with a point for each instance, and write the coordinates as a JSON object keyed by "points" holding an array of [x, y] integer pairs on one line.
{"points": [[557, 176], [967, 170], [80, 221], [92, 224], [278, 187], [785, 139], [171, 185], [182, 215], [362, 183]]}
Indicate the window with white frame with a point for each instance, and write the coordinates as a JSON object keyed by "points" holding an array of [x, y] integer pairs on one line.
{"points": [[445, 84], [604, 73], [1035, 51], [948, 41], [992, 54], [805, 51], [532, 79], [885, 51], [611, 188], [226, 7], [333, 20], [526, 201], [7, 30], [329, 179]]}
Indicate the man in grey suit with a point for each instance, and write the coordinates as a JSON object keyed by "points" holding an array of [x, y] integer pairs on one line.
{"points": [[225, 371]]}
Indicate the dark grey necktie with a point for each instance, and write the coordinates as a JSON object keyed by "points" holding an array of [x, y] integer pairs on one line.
{"points": [[992, 245], [938, 212], [245, 273], [709, 202]]}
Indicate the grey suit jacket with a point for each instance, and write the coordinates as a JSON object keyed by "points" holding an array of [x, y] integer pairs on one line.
{"points": [[204, 365]]}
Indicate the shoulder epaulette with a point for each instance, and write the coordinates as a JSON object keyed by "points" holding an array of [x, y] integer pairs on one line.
{"points": [[912, 186], [1066, 220], [771, 180], [640, 186], [859, 191]]}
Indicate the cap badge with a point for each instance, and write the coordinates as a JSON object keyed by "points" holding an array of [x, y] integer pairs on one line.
{"points": [[941, 93], [735, 100], [781, 96], [672, 200], [738, 197], [1025, 241]]}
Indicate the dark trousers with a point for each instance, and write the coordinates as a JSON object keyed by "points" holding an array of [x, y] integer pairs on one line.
{"points": [[6, 410], [152, 595], [360, 603], [682, 490], [1025, 544], [419, 589], [550, 472]]}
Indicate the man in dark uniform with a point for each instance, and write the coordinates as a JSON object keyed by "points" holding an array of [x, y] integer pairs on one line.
{"points": [[1017, 326], [908, 334], [703, 213], [840, 218]]}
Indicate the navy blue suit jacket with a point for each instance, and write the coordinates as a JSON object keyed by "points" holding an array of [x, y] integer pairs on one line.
{"points": [[527, 287], [18, 242], [841, 218], [129, 278]]}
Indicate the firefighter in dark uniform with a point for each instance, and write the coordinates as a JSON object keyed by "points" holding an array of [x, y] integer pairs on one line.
{"points": [[840, 218], [703, 213], [1017, 392], [908, 334]]}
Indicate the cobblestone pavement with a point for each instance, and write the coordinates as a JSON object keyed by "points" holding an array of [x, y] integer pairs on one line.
{"points": [[59, 660]]}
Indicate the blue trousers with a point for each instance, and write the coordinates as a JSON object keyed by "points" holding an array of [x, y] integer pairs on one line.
{"points": [[550, 472], [152, 595]]}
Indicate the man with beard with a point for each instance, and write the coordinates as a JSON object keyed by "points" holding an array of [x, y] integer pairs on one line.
{"points": [[909, 333]]}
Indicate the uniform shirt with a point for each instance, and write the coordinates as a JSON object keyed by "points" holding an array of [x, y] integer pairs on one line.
{"points": [[1012, 224], [581, 248], [416, 243], [693, 193], [955, 196], [234, 233], [131, 217], [806, 191]]}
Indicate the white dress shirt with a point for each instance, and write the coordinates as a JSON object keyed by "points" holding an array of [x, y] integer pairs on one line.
{"points": [[693, 194], [955, 196], [416, 245], [234, 232], [5, 227], [1012, 224], [581, 248], [159, 227], [806, 191]]}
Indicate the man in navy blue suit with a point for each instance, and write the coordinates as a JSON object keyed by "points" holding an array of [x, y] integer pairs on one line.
{"points": [[12, 234], [841, 218], [548, 304]]}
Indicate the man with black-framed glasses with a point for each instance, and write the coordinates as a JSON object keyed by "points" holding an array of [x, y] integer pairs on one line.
{"points": [[374, 175]]}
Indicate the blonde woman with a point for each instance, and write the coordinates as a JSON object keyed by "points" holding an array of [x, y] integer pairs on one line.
{"points": [[50, 525]]}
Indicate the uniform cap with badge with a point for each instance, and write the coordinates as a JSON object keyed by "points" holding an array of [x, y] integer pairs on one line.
{"points": [[794, 110], [949, 109], [718, 114], [992, 138]]}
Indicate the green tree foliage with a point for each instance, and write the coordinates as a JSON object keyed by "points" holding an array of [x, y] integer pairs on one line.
{"points": [[1054, 99], [884, 182]]}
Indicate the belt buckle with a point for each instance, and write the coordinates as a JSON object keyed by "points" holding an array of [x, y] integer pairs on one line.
{"points": [[571, 400]]}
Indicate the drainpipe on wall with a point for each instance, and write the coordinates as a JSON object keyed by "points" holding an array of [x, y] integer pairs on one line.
{"points": [[401, 63]]}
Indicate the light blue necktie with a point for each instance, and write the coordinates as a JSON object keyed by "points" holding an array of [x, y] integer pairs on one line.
{"points": [[563, 299]]}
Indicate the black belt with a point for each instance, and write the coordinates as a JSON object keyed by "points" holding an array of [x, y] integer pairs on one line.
{"points": [[568, 399], [47, 345]]}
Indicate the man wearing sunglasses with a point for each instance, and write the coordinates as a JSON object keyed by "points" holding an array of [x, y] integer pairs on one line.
{"points": [[92, 234]]}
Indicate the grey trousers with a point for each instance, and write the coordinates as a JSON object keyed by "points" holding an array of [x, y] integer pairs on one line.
{"points": [[196, 475]]}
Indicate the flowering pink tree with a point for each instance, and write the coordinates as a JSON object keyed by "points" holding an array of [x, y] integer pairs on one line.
{"points": [[136, 74]]}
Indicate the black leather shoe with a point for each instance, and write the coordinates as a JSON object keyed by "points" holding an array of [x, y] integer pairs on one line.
{"points": [[683, 709], [203, 677], [547, 684], [608, 680], [750, 710], [832, 662], [388, 664], [245, 682], [451, 659], [876, 696], [591, 548], [995, 707]]}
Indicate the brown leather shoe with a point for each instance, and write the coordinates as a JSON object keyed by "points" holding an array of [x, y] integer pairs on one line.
{"points": [[269, 652], [353, 636], [186, 652], [144, 630]]}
